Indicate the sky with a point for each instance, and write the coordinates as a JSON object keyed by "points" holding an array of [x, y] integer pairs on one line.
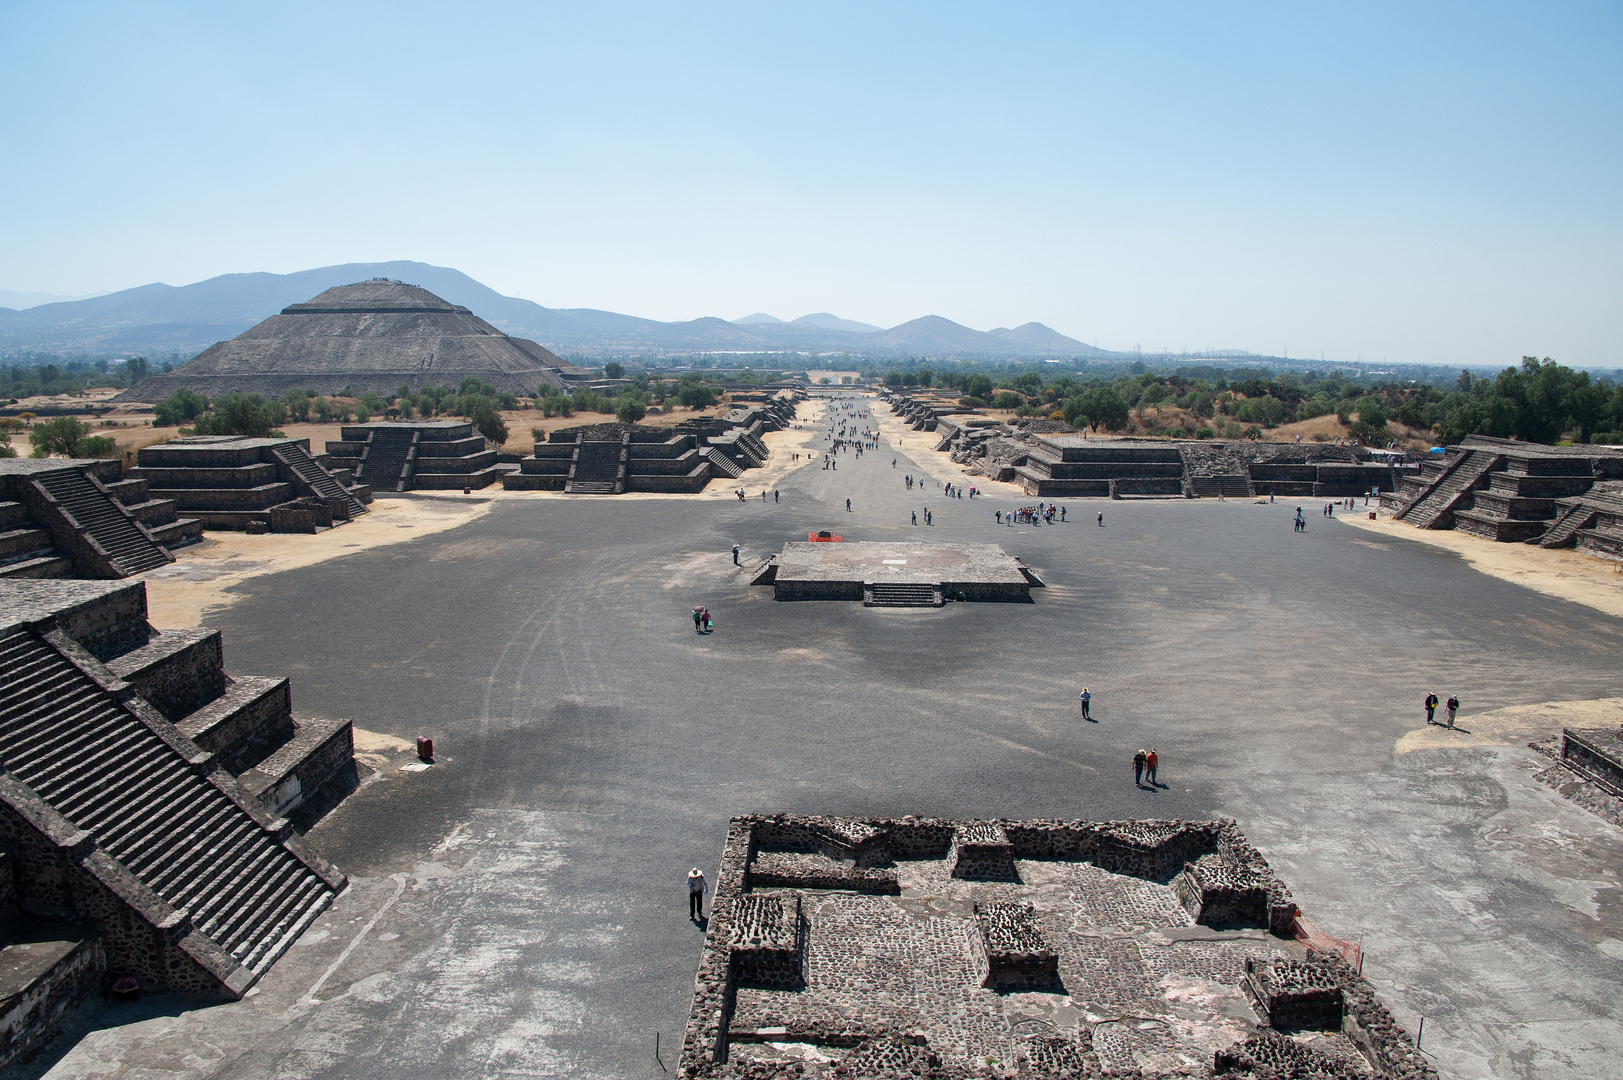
{"points": [[1421, 183]]}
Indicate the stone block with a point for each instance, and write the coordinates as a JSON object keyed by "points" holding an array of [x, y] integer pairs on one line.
{"points": [[1296, 995], [981, 850]]}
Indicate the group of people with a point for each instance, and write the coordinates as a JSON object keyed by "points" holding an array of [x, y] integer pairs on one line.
{"points": [[701, 615], [1032, 515], [956, 491], [1452, 705]]}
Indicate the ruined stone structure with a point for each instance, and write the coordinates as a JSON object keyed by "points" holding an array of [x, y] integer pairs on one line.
{"points": [[406, 454], [374, 335], [142, 803], [1048, 459], [902, 573], [612, 458], [82, 518], [918, 946], [1553, 496], [235, 482]]}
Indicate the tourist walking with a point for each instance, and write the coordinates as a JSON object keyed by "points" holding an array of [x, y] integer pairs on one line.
{"points": [[1453, 707], [1101, 519], [1138, 768], [1086, 698], [1431, 707], [704, 614], [698, 617], [697, 887], [735, 556], [915, 517], [848, 506], [1151, 760]]}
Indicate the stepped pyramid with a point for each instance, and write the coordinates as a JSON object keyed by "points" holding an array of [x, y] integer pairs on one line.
{"points": [[373, 335], [142, 793]]}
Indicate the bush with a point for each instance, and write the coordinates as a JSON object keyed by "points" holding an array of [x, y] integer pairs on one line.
{"points": [[1608, 438], [1177, 433], [241, 414], [697, 395], [181, 408], [1008, 399], [489, 422], [1203, 433], [612, 370], [6, 450], [631, 408], [969, 401]]}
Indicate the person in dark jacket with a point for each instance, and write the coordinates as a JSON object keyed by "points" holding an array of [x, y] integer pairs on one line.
{"points": [[1139, 760]]}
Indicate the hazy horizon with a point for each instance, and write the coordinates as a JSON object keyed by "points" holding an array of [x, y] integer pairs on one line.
{"points": [[1430, 185]]}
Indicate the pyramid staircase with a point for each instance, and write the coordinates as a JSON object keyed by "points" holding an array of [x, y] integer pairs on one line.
{"points": [[112, 536], [1433, 507], [1228, 486], [314, 480], [599, 467], [901, 594], [157, 822], [386, 462], [722, 465], [195, 882]]}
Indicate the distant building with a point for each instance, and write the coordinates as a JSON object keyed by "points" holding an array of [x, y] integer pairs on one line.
{"points": [[375, 335]]}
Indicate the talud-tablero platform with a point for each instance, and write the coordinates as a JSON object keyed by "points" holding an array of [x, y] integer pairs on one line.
{"points": [[897, 573]]}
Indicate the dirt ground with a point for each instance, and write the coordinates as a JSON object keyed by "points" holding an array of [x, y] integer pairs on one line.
{"points": [[1569, 575], [1514, 725], [202, 577]]}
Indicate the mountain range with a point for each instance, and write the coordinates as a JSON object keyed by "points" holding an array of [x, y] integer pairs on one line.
{"points": [[163, 319]]}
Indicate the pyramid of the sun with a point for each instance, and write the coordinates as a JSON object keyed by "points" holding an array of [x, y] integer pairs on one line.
{"points": [[374, 335]]}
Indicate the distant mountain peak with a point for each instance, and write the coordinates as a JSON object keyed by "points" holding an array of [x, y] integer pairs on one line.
{"points": [[758, 317], [823, 320]]}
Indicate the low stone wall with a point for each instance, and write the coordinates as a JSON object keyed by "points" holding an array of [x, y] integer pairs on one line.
{"points": [[1596, 753], [68, 971]]}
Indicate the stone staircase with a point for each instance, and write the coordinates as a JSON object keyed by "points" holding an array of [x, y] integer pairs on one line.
{"points": [[1563, 531], [1433, 507], [153, 805], [1228, 486], [901, 594], [86, 506], [387, 458], [722, 465], [319, 482], [598, 469]]}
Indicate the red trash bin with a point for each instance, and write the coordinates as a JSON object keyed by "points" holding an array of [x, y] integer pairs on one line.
{"points": [[425, 748]]}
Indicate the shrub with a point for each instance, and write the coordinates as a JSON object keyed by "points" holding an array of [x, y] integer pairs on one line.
{"points": [[970, 401], [631, 408], [6, 450], [183, 407], [1008, 399], [1203, 433], [241, 414], [612, 370], [1177, 433], [697, 395]]}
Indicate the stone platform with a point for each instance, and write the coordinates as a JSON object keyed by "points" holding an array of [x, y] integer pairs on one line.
{"points": [[1091, 953], [897, 573]]}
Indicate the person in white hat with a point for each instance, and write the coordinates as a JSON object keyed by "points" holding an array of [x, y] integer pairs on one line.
{"points": [[697, 887]]}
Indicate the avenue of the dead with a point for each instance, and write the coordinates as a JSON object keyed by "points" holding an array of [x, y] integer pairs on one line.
{"points": [[518, 908]]}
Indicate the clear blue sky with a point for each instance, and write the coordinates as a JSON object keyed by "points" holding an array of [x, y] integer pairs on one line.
{"points": [[1421, 182]]}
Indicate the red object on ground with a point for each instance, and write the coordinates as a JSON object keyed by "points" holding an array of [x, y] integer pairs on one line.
{"points": [[824, 537], [1318, 940], [425, 748], [1372, 515]]}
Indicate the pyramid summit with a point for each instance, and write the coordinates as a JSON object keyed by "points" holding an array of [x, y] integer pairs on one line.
{"points": [[372, 335]]}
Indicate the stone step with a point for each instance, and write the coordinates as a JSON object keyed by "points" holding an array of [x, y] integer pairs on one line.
{"points": [[44, 566], [129, 548], [24, 543], [902, 595], [13, 514]]}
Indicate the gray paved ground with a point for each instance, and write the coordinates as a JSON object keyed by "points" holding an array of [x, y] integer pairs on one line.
{"points": [[519, 909]]}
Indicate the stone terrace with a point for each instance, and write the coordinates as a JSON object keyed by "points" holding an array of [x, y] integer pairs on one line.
{"points": [[1111, 950]]}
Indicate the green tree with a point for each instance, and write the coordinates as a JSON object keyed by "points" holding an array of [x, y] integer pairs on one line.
{"points": [[489, 422], [241, 414], [180, 408], [630, 408], [57, 436], [612, 370], [1099, 406]]}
